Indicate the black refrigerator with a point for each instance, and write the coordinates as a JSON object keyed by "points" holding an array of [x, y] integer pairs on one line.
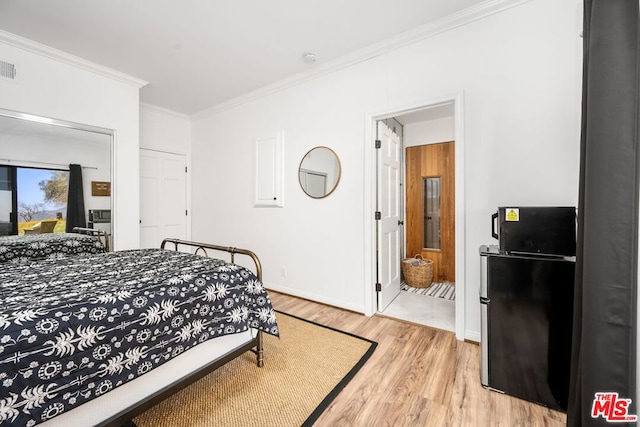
{"points": [[526, 297]]}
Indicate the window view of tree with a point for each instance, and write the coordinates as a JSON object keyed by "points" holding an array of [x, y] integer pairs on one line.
{"points": [[42, 195], [55, 188], [27, 212]]}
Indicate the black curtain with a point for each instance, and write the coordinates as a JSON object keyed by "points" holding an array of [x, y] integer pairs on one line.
{"points": [[604, 332], [75, 199]]}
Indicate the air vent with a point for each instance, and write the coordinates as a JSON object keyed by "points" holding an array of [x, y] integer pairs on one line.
{"points": [[7, 70]]}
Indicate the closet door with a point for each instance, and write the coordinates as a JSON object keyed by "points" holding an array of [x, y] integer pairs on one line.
{"points": [[163, 197]]}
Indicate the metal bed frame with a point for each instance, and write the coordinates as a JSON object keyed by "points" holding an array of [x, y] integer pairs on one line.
{"points": [[94, 232], [259, 350], [255, 345]]}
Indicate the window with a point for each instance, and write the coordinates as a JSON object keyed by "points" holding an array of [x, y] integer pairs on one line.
{"points": [[31, 195], [431, 211]]}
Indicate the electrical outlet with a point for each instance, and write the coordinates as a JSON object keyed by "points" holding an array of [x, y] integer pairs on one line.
{"points": [[283, 271]]}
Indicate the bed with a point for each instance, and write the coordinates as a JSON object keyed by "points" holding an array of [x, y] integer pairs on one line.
{"points": [[24, 249], [96, 339]]}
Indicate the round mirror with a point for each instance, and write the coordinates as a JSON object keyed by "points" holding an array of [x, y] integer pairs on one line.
{"points": [[319, 172]]}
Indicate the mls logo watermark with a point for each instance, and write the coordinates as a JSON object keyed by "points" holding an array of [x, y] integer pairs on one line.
{"points": [[612, 408]]}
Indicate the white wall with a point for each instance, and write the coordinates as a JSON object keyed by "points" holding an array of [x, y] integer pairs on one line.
{"points": [[521, 91], [429, 132], [49, 87], [164, 130]]}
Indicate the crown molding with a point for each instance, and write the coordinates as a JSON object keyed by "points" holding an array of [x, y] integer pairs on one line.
{"points": [[64, 57], [162, 110], [455, 20]]}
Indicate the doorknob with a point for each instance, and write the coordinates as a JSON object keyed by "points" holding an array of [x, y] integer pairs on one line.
{"points": [[400, 222]]}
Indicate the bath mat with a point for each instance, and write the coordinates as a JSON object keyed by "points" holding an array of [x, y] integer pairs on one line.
{"points": [[444, 290]]}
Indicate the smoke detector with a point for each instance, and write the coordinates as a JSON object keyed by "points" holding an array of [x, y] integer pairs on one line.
{"points": [[309, 57]]}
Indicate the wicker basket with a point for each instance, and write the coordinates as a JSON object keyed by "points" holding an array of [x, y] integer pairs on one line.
{"points": [[417, 271]]}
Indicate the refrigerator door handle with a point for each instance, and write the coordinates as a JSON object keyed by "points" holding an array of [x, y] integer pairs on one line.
{"points": [[484, 320], [494, 224], [484, 288], [484, 345]]}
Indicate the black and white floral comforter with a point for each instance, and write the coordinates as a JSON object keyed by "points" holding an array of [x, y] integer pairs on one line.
{"points": [[23, 249], [75, 328]]}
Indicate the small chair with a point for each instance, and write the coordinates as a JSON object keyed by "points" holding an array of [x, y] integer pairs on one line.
{"points": [[48, 225], [44, 226]]}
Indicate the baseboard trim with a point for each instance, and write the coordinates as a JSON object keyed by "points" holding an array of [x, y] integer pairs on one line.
{"points": [[314, 297]]}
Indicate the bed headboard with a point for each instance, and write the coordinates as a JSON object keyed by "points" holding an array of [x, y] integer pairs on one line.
{"points": [[204, 246]]}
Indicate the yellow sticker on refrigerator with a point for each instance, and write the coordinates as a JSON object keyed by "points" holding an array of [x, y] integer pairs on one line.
{"points": [[512, 214]]}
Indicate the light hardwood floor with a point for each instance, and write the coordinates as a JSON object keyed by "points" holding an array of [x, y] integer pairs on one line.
{"points": [[417, 376]]}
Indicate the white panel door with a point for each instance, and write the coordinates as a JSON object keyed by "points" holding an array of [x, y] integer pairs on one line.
{"points": [[389, 199], [163, 197]]}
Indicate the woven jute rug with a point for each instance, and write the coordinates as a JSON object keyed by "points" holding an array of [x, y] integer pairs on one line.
{"points": [[303, 372]]}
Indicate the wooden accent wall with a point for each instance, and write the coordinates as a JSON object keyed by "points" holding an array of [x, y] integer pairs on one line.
{"points": [[425, 161]]}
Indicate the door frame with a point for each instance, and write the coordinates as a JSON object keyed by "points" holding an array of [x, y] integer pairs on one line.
{"points": [[370, 195]]}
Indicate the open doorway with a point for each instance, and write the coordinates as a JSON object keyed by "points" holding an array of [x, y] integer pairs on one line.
{"points": [[428, 216]]}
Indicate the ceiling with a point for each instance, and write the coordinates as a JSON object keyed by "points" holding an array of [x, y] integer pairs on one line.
{"points": [[196, 54]]}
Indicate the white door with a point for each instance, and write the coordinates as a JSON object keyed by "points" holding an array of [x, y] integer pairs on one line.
{"points": [[389, 199], [314, 183], [163, 197]]}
